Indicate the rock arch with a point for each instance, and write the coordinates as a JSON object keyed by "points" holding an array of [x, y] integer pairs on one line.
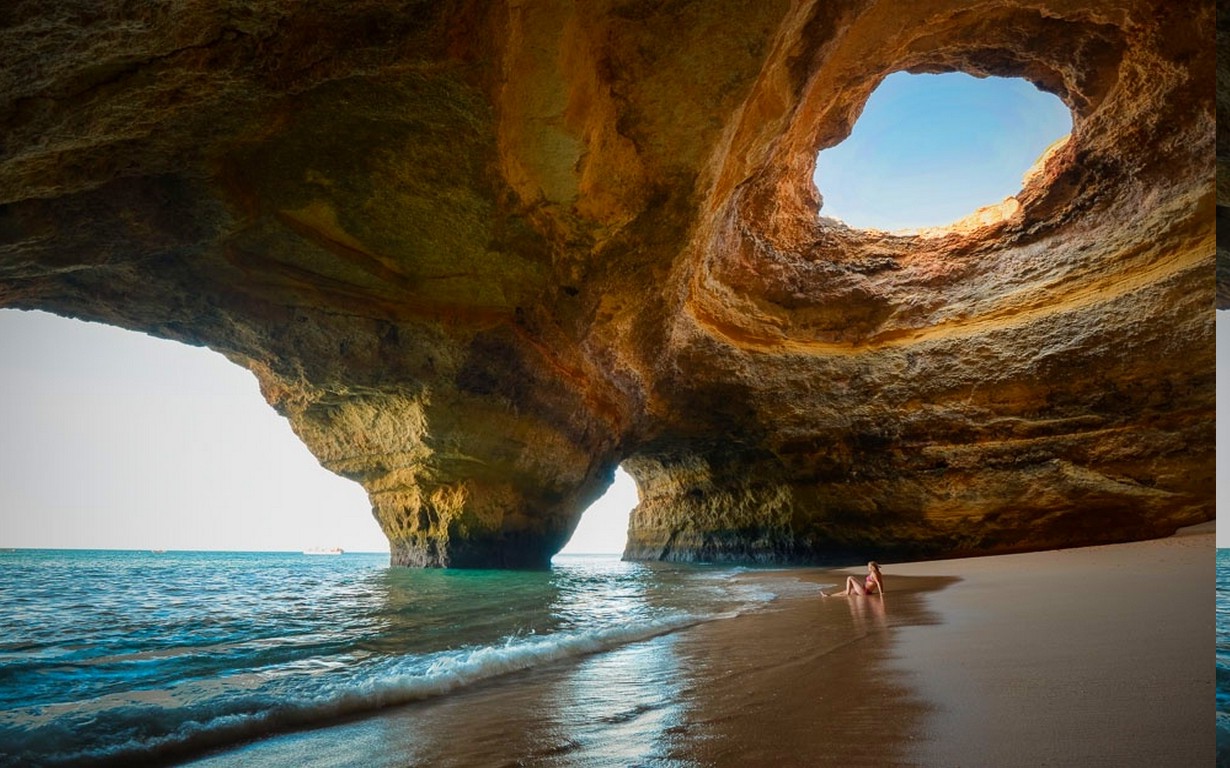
{"points": [[479, 254]]}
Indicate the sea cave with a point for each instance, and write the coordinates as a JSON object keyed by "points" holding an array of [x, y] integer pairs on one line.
{"points": [[482, 254]]}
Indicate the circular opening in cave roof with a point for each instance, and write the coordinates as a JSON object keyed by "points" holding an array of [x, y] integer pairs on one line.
{"points": [[940, 152]]}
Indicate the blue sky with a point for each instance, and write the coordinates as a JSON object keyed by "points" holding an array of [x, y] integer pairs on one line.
{"points": [[930, 149]]}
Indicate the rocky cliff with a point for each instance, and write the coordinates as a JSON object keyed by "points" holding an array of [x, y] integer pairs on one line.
{"points": [[481, 253], [1223, 155]]}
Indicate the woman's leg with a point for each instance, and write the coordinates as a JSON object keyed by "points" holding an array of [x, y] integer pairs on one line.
{"points": [[853, 587]]}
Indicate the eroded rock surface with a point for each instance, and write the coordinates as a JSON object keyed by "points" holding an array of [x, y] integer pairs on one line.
{"points": [[480, 254]]}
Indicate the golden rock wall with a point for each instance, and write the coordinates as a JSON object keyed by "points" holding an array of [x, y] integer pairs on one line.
{"points": [[481, 253]]}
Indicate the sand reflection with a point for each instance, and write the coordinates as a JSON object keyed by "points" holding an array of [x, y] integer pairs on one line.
{"points": [[804, 684], [868, 614]]}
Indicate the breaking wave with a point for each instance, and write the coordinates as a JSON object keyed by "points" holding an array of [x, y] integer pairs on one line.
{"points": [[196, 681]]}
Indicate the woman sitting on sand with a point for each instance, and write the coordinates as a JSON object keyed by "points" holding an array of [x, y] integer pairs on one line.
{"points": [[873, 585]]}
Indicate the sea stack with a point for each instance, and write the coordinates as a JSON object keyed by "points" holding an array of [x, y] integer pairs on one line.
{"points": [[481, 253]]}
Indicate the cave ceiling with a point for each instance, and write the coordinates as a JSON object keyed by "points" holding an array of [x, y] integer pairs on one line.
{"points": [[481, 253]]}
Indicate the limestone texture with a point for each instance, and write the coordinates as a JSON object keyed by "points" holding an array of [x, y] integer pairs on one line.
{"points": [[1223, 155], [481, 253]]}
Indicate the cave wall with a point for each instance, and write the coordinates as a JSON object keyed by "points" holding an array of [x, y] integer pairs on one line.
{"points": [[481, 253], [1223, 156]]}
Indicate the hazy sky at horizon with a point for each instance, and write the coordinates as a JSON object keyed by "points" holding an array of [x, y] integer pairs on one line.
{"points": [[116, 439], [119, 440], [930, 149]]}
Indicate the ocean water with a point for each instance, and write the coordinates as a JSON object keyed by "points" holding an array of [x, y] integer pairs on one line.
{"points": [[1223, 657], [116, 657]]}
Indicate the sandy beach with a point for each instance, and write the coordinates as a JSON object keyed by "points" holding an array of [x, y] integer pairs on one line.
{"points": [[1100, 656]]}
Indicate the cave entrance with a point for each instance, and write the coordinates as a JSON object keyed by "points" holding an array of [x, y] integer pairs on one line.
{"points": [[603, 529], [929, 150], [117, 440]]}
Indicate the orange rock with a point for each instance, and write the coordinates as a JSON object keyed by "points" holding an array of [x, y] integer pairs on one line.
{"points": [[480, 255]]}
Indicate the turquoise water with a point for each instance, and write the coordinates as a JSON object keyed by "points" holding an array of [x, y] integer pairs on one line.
{"points": [[1223, 657], [116, 657]]}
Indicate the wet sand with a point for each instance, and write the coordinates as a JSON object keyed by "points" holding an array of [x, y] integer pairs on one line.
{"points": [[809, 682], [1099, 656], [1091, 657]]}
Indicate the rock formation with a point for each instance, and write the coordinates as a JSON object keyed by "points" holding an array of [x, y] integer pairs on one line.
{"points": [[1223, 156], [481, 253]]}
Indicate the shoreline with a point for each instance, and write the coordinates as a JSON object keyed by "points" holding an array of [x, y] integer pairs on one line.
{"points": [[1094, 656], [991, 660], [1097, 656]]}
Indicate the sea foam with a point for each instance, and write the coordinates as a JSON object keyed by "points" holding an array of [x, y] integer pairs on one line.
{"points": [[145, 687]]}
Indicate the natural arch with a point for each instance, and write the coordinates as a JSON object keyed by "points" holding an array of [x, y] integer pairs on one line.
{"points": [[479, 270]]}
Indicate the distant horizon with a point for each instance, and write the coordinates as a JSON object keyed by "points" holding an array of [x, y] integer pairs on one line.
{"points": [[561, 553], [118, 440]]}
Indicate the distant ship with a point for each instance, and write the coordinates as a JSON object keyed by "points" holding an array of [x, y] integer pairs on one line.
{"points": [[322, 551]]}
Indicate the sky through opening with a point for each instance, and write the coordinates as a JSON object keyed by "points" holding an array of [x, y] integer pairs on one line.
{"points": [[603, 529], [929, 150], [118, 440], [113, 439]]}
